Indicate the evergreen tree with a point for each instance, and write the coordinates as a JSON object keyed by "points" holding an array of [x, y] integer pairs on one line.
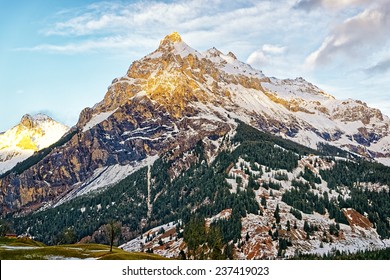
{"points": [[182, 255], [276, 214], [263, 202]]}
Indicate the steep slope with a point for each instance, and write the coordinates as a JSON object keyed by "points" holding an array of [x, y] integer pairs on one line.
{"points": [[32, 134], [169, 101]]}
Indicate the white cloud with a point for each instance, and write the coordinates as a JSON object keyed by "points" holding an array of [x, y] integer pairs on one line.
{"points": [[267, 55], [234, 25], [355, 37], [273, 49], [329, 4], [110, 43], [257, 59], [103, 17]]}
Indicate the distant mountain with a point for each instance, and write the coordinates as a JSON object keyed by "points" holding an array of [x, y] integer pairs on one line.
{"points": [[228, 162], [32, 134]]}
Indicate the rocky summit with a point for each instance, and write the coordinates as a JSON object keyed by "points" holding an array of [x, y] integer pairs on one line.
{"points": [[199, 155]]}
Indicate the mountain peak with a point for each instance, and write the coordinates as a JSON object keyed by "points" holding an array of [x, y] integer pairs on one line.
{"points": [[232, 55], [28, 121], [174, 37], [31, 134]]}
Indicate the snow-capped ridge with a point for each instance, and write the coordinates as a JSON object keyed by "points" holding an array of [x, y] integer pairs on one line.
{"points": [[33, 133], [212, 52]]}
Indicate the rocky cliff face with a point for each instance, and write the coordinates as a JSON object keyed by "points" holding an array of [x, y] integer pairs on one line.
{"points": [[173, 98]]}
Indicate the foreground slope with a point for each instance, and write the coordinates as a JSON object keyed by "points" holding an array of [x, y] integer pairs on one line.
{"points": [[27, 249]]}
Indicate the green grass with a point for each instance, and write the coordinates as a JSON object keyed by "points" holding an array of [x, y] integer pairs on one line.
{"points": [[27, 249]]}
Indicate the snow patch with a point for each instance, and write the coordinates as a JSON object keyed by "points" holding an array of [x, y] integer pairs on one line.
{"points": [[96, 119], [105, 177]]}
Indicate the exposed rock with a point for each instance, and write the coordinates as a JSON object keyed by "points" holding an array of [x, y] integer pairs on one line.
{"points": [[27, 121]]}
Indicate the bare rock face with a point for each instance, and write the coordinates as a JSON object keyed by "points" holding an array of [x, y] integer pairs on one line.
{"points": [[357, 111], [85, 116], [27, 121]]}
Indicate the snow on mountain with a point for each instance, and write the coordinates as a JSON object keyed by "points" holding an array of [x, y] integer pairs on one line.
{"points": [[97, 119], [104, 177], [179, 78], [32, 134]]}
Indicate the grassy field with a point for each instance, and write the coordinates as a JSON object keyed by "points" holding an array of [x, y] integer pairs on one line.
{"points": [[27, 249]]}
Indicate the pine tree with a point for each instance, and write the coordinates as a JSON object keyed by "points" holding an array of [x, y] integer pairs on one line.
{"points": [[182, 255], [306, 226], [264, 202], [276, 214]]}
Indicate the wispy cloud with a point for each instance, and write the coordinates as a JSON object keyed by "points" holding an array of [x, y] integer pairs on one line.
{"points": [[379, 68], [329, 4], [239, 26], [360, 34], [110, 43], [103, 26], [106, 17]]}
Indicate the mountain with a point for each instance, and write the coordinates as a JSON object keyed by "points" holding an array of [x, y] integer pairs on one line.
{"points": [[200, 155], [186, 82], [32, 134]]}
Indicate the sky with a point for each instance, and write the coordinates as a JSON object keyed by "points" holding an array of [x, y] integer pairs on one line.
{"points": [[58, 57]]}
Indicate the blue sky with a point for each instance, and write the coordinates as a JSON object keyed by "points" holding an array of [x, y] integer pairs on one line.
{"points": [[58, 57]]}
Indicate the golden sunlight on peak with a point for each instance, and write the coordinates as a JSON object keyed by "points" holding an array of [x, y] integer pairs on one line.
{"points": [[173, 37]]}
